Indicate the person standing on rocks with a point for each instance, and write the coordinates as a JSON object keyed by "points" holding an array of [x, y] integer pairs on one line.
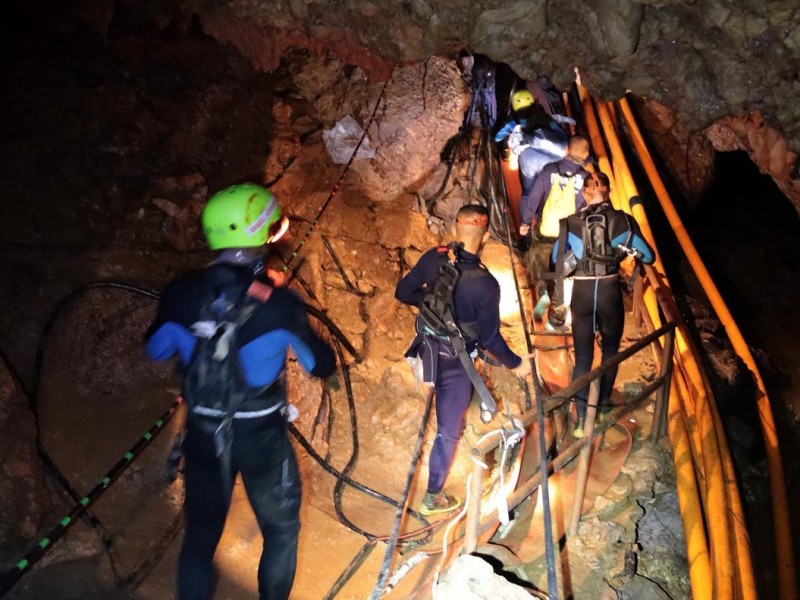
{"points": [[230, 326], [597, 239], [476, 311]]}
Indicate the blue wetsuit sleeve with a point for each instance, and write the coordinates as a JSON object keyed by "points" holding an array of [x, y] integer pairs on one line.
{"points": [[168, 335], [285, 326], [489, 336], [647, 255], [168, 340], [574, 243], [504, 131], [412, 287]]}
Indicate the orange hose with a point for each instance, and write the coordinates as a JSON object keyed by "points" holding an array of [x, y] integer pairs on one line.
{"points": [[715, 497], [706, 583], [688, 500], [786, 569]]}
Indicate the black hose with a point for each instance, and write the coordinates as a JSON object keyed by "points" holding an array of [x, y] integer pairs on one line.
{"points": [[10, 578], [552, 584], [390, 544], [33, 396], [351, 569], [337, 490], [81, 502]]}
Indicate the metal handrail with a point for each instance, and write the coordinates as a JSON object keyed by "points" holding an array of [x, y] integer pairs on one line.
{"points": [[474, 525]]}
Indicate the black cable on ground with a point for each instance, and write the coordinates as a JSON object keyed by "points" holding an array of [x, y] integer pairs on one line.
{"points": [[337, 490], [83, 502], [350, 570], [390, 544], [340, 268], [448, 154], [33, 400], [10, 578]]}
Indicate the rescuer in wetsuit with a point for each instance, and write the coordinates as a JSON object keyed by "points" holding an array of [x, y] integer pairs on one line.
{"points": [[239, 221], [598, 237], [477, 308]]}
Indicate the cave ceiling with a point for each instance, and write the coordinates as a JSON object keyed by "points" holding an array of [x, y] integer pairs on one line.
{"points": [[705, 59], [715, 75]]}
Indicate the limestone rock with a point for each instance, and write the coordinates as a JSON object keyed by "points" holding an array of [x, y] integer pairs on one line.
{"points": [[24, 500], [472, 578]]}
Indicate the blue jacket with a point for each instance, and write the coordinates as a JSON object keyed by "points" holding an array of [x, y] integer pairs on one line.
{"points": [[476, 300], [277, 324]]}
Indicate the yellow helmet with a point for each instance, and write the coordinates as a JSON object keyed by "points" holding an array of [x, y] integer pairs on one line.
{"points": [[521, 99]]}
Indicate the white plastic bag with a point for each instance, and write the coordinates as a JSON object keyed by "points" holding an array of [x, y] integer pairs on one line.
{"points": [[342, 139]]}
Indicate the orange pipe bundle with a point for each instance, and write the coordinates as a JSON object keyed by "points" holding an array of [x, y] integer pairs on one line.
{"points": [[717, 545], [783, 541]]}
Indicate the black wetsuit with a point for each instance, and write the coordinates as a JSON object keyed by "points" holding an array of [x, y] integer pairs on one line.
{"points": [[596, 303], [261, 449], [477, 302]]}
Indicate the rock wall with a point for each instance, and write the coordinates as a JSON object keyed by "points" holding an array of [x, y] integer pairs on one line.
{"points": [[689, 155], [705, 60], [24, 499]]}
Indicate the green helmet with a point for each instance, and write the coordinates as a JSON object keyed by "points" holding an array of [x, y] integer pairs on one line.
{"points": [[242, 216]]}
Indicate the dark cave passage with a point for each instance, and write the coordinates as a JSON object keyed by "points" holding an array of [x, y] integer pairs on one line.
{"points": [[750, 235]]}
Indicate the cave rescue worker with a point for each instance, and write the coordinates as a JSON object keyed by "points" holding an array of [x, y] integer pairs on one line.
{"points": [[595, 241], [534, 136], [561, 182], [476, 304], [549, 97], [237, 413], [556, 193]]}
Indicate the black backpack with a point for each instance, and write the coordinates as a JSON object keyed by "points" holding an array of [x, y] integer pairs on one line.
{"points": [[437, 318], [599, 257], [437, 312], [214, 384]]}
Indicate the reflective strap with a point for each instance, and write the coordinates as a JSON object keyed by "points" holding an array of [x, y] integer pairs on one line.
{"points": [[213, 412], [596, 276]]}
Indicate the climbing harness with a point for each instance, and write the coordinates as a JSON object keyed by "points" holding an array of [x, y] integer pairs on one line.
{"points": [[215, 386], [437, 319]]}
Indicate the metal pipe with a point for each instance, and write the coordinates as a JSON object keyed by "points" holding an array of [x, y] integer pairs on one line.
{"points": [[492, 441], [525, 490], [474, 508]]}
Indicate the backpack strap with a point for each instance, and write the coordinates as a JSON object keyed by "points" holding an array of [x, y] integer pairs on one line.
{"points": [[558, 293], [438, 307]]}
